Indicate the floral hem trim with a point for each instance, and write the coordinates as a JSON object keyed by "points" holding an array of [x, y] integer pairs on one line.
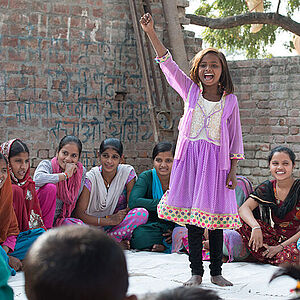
{"points": [[193, 216], [163, 58], [237, 156]]}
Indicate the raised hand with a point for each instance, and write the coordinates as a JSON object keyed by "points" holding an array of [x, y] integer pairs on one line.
{"points": [[147, 23], [148, 26]]}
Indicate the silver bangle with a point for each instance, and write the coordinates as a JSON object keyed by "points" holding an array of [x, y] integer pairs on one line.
{"points": [[255, 227]]}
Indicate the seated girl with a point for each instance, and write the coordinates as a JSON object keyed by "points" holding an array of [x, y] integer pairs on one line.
{"points": [[156, 234], [103, 201], [25, 201], [8, 222], [272, 238], [61, 180]]}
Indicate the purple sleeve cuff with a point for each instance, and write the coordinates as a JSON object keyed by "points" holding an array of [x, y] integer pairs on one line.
{"points": [[237, 156], [163, 58]]}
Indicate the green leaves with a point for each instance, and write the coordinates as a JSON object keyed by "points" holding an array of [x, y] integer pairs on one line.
{"points": [[253, 45]]}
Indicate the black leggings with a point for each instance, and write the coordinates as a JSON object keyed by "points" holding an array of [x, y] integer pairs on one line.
{"points": [[195, 238]]}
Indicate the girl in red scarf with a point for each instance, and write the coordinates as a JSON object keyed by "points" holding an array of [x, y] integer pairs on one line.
{"points": [[25, 201], [62, 179]]}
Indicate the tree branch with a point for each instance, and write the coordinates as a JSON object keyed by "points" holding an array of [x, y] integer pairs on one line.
{"points": [[247, 18], [277, 11]]}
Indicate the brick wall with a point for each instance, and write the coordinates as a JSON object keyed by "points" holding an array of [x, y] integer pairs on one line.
{"points": [[72, 68], [269, 99]]}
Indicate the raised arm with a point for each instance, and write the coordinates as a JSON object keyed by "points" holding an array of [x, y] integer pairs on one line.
{"points": [[174, 75], [148, 26], [44, 174]]}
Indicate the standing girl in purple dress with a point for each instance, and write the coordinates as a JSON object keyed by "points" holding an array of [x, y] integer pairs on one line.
{"points": [[209, 145]]}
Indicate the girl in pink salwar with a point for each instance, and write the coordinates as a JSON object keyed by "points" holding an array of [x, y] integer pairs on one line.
{"points": [[103, 201], [61, 180], [203, 178]]}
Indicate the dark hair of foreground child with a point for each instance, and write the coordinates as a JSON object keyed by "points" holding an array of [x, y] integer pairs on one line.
{"points": [[188, 293], [76, 262]]}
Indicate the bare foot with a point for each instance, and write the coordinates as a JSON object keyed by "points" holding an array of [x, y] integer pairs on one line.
{"points": [[206, 244], [225, 259], [158, 248], [125, 245], [220, 280], [194, 281]]}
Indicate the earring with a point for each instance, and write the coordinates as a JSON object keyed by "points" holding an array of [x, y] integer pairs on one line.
{"points": [[220, 88]]}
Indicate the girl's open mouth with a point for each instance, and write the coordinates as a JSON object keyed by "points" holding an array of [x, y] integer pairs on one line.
{"points": [[208, 76]]}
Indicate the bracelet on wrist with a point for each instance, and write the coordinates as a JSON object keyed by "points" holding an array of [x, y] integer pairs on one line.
{"points": [[255, 227], [66, 175], [281, 246], [98, 220]]}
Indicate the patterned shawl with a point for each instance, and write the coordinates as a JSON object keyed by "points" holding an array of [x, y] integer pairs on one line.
{"points": [[34, 215]]}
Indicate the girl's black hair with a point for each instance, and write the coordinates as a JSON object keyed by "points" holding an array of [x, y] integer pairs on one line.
{"points": [[113, 144], [2, 157], [163, 147], [69, 139], [225, 81], [286, 150], [16, 148]]}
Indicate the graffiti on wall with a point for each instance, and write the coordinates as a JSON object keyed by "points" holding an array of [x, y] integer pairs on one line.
{"points": [[68, 85]]}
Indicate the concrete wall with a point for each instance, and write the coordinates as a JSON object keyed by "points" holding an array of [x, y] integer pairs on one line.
{"points": [[72, 68]]}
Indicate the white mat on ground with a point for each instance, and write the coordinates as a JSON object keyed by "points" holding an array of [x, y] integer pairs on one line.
{"points": [[154, 272]]}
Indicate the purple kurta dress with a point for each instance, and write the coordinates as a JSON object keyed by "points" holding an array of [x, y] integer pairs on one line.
{"points": [[198, 194]]}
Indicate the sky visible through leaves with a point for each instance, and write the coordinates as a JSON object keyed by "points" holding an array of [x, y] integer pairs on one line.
{"points": [[278, 49]]}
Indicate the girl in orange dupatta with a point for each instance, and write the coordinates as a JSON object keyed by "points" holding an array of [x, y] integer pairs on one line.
{"points": [[8, 225]]}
